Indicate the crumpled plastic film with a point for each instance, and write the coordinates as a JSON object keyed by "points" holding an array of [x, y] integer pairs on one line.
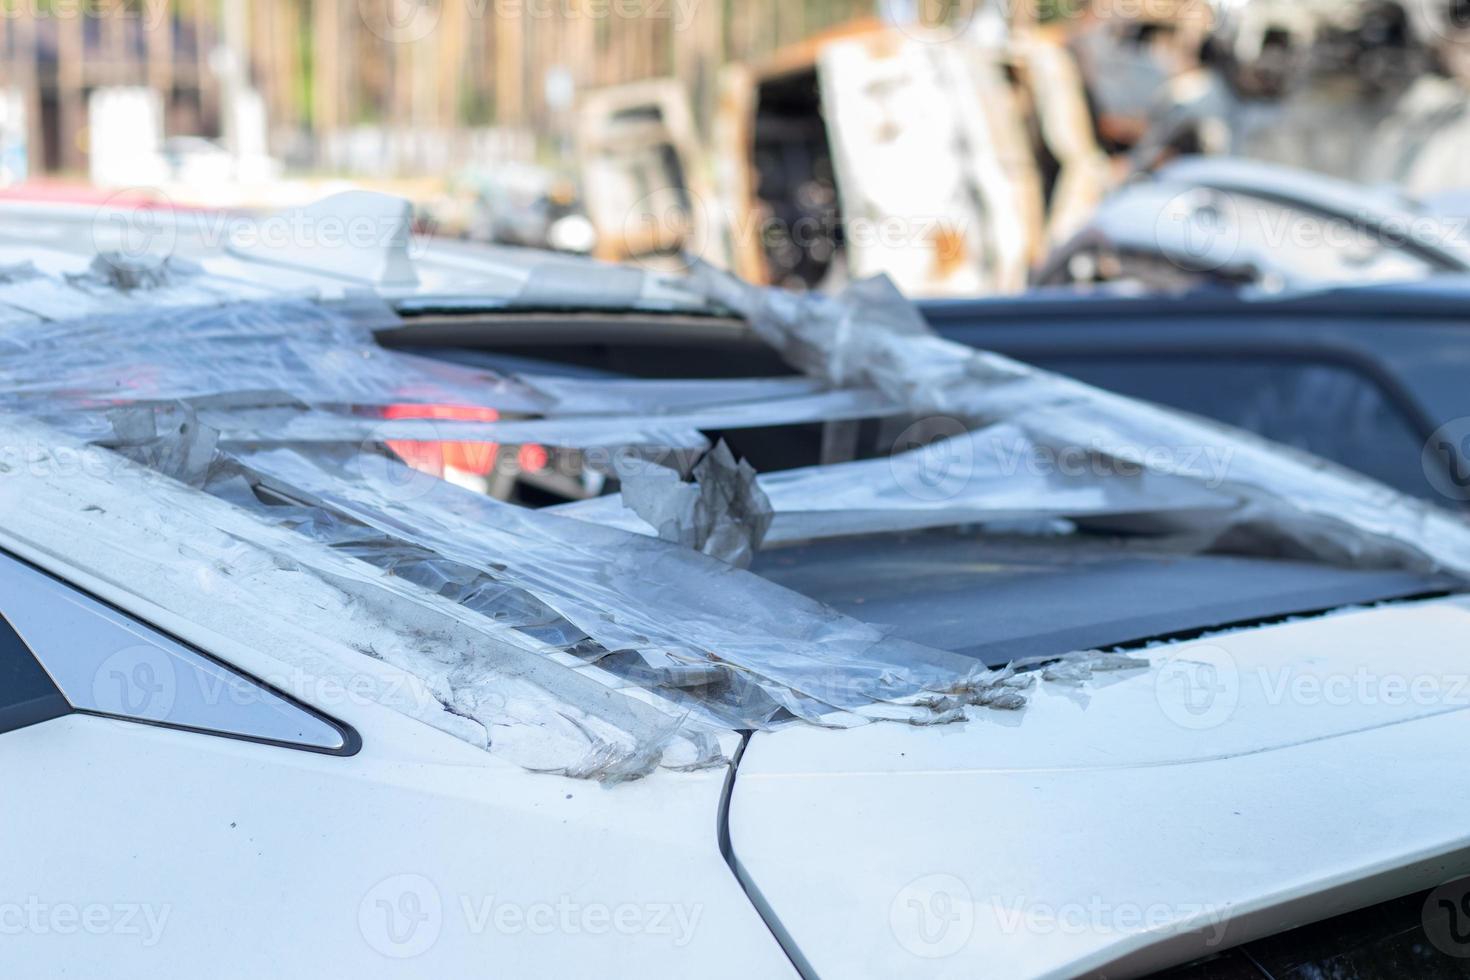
{"points": [[1287, 501], [723, 513], [116, 282], [46, 298], [123, 273], [990, 475], [588, 649], [579, 396], [303, 372], [674, 606], [276, 426], [316, 354], [183, 450], [674, 430], [171, 389], [467, 587], [138, 537]]}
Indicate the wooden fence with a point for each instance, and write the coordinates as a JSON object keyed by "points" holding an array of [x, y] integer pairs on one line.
{"points": [[323, 66]]}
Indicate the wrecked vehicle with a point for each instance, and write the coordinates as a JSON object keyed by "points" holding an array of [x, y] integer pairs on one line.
{"points": [[1366, 376], [850, 651], [1372, 91], [1220, 221], [1315, 312], [805, 179]]}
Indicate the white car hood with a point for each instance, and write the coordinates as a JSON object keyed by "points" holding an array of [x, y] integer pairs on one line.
{"points": [[1245, 784]]}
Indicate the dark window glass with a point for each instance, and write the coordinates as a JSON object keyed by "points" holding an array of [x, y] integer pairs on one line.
{"points": [[104, 662], [1424, 936], [1326, 409], [27, 695]]}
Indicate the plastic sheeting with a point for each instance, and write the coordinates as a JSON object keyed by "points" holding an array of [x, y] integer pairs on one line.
{"points": [[677, 430], [115, 282], [300, 372], [276, 352], [212, 573], [671, 606], [1285, 501], [585, 649], [994, 475], [302, 252], [296, 427], [723, 513], [181, 393]]}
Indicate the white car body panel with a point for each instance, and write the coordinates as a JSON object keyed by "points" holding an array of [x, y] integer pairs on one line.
{"points": [[1095, 833], [419, 857]]}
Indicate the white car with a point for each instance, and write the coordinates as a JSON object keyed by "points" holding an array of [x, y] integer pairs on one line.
{"points": [[887, 658]]}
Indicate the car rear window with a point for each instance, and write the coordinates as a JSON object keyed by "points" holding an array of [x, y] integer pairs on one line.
{"points": [[1327, 409]]}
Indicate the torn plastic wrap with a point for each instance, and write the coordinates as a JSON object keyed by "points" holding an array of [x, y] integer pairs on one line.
{"points": [[579, 396], [168, 395], [115, 282], [564, 645], [302, 372], [468, 587], [126, 274], [991, 476], [176, 445], [1286, 501], [158, 548], [41, 297], [301, 351], [285, 426], [722, 513], [679, 429], [673, 607]]}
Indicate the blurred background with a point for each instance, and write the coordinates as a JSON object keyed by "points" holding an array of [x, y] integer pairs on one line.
{"points": [[954, 144]]}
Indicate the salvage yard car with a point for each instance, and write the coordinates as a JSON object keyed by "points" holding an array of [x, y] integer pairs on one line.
{"points": [[1369, 377], [808, 643]]}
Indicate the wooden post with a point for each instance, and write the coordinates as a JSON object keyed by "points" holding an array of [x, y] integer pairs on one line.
{"points": [[158, 45], [71, 110], [117, 67], [325, 67], [26, 74], [204, 79], [453, 40], [509, 46]]}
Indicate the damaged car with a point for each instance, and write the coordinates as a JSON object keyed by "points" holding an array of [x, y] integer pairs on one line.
{"points": [[806, 643], [1262, 227]]}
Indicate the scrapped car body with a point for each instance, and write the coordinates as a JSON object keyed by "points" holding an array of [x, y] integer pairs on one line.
{"points": [[311, 710], [1212, 220], [812, 148], [1366, 376]]}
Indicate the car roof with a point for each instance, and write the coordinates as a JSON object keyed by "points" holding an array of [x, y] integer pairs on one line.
{"points": [[353, 242]]}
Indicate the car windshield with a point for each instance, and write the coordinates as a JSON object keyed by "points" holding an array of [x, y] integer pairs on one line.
{"points": [[668, 587]]}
